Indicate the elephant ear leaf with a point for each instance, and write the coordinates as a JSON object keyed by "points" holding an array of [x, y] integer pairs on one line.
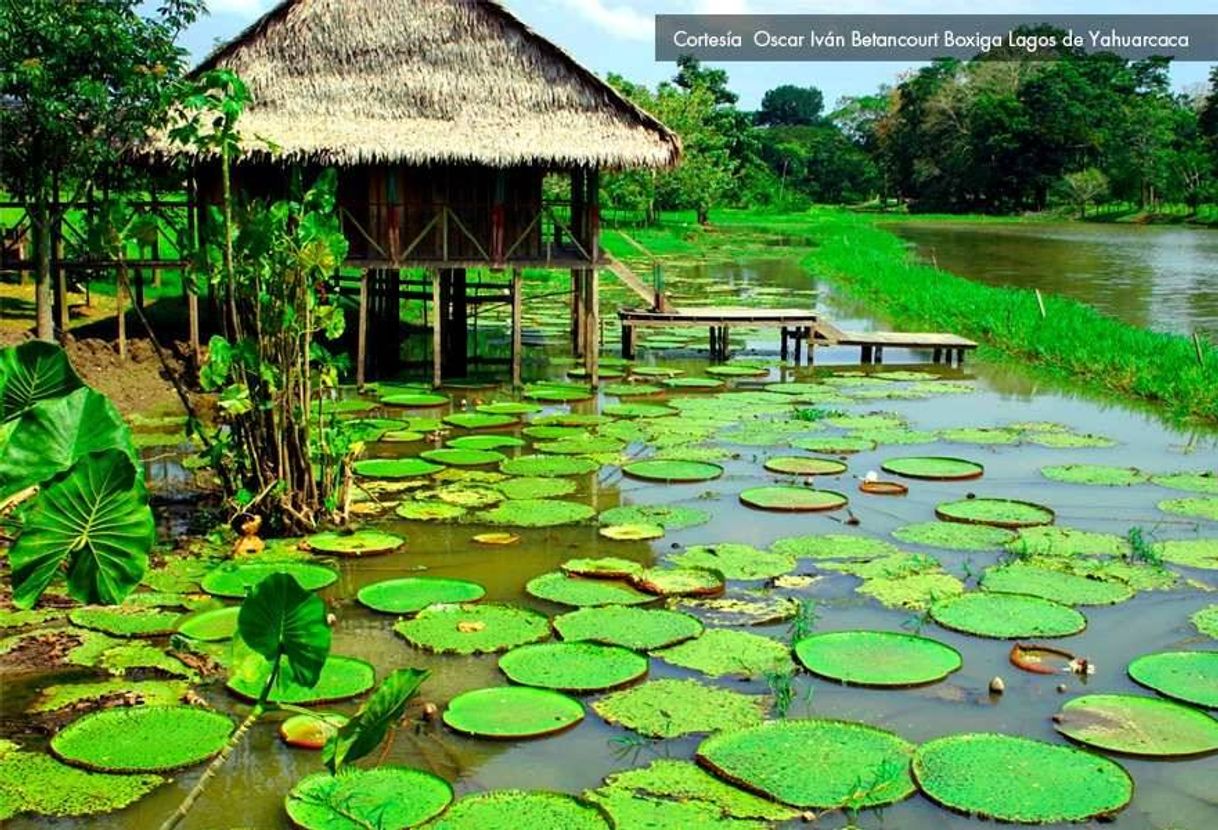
{"points": [[284, 623], [92, 519], [32, 372], [364, 732]]}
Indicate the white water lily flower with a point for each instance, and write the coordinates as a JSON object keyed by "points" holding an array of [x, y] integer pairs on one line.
{"points": [[872, 475]]}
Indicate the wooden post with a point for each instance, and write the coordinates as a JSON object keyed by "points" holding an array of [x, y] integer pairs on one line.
{"points": [[437, 333], [866, 354], [714, 349], [192, 295], [517, 309], [724, 348], [457, 347], [799, 345], [782, 348], [592, 350], [879, 354], [936, 355], [577, 313], [810, 336], [361, 359], [627, 342]]}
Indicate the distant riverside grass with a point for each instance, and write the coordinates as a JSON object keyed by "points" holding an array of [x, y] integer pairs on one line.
{"points": [[1073, 340]]}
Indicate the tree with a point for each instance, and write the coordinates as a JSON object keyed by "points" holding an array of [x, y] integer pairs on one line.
{"points": [[1085, 187], [692, 75], [790, 105], [80, 84]]}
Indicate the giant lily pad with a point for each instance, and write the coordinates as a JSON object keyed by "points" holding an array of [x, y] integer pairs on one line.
{"points": [[508, 408], [736, 370], [1059, 439], [735, 561], [341, 678], [1137, 725], [631, 533], [1095, 474], [537, 513], [480, 420], [473, 629], [834, 444], [877, 658], [1066, 588], [1191, 553], [484, 442], [388, 796], [686, 782], [516, 809], [635, 628], [510, 712], [1191, 676], [533, 487], [429, 511], [1199, 508], [670, 708], [933, 468], [980, 435], [414, 593], [1007, 616], [548, 466], [673, 471], [1006, 513], [234, 578], [463, 457], [1039, 783], [576, 591], [558, 394], [142, 738], [813, 763], [954, 536], [604, 567], [1206, 482], [1055, 540], [833, 546], [723, 652], [573, 666], [1206, 621], [359, 543], [394, 468], [34, 782], [638, 410], [414, 399], [589, 445], [679, 582], [126, 620], [799, 465], [786, 499], [143, 692], [667, 516]]}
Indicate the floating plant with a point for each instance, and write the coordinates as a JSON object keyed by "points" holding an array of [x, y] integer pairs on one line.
{"points": [[387, 796], [142, 738], [547, 466], [394, 468], [310, 731], [678, 582], [1007, 616], [341, 678], [721, 652], [877, 658], [671, 708], [933, 468], [1137, 725], [518, 809], [234, 578], [410, 595], [1190, 676], [1066, 588], [512, 712], [787, 499], [210, 626], [1004, 513], [359, 543], [735, 560], [581, 593], [632, 533], [640, 629], [1095, 474], [672, 471], [606, 567], [573, 666], [536, 513], [473, 629], [805, 466]]}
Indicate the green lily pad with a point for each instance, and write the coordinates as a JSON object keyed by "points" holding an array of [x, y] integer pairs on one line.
{"points": [[1054, 540], [462, 496], [877, 658], [875, 420], [1206, 621], [463, 458], [402, 436], [893, 566], [667, 516], [735, 561], [1137, 725], [548, 466], [429, 511], [571, 590], [656, 371], [412, 594], [34, 782], [673, 471], [480, 420], [834, 444], [146, 692], [631, 390], [310, 731], [1040, 783], [536, 513], [484, 442], [1067, 440], [638, 410], [341, 678], [126, 620], [359, 543], [606, 567], [534, 487], [555, 433], [678, 582], [515, 809], [986, 436], [915, 592], [633, 811], [686, 782], [388, 796], [804, 466], [211, 626], [1200, 508], [631, 533], [1191, 553], [511, 712], [693, 383], [723, 652], [573, 419], [473, 629], [1190, 676], [414, 399], [732, 370], [590, 445], [507, 408], [641, 629], [954, 536], [1007, 616], [1005, 513], [896, 436], [793, 499], [1095, 474], [233, 579], [558, 394], [1066, 588], [142, 738], [573, 666], [394, 468], [812, 763], [833, 546], [1192, 482], [933, 468], [670, 708]]}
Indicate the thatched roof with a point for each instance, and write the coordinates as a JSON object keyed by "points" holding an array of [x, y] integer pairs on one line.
{"points": [[348, 82]]}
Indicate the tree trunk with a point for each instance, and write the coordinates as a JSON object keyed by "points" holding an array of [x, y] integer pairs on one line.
{"points": [[121, 300], [43, 290]]}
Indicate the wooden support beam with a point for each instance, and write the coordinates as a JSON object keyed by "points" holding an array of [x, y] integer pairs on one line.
{"points": [[517, 316], [437, 331], [628, 351], [577, 312], [782, 343], [592, 351], [809, 336], [361, 359], [866, 354], [936, 356], [724, 348]]}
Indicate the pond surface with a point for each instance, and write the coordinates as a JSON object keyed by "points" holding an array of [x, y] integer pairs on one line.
{"points": [[1164, 278], [1169, 794]]}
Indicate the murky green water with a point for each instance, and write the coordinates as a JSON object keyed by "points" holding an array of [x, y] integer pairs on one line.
{"points": [[1170, 794], [1164, 278]]}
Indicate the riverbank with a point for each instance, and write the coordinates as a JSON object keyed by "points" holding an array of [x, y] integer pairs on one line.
{"points": [[1205, 216], [1070, 339]]}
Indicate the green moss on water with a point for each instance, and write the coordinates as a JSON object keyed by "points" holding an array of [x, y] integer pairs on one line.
{"points": [[833, 546], [31, 782], [573, 666], [1066, 588], [684, 781], [671, 708], [473, 629], [142, 738], [636, 628], [723, 652], [1095, 474], [536, 513], [1190, 676], [509, 712], [519, 809], [877, 658], [579, 592], [667, 516], [357, 799], [735, 560], [954, 536], [1137, 725], [1007, 616], [548, 466]]}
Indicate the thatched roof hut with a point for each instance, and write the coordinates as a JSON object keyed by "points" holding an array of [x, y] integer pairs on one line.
{"points": [[421, 82]]}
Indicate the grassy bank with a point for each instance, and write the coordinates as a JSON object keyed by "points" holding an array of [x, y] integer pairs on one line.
{"points": [[1071, 340]]}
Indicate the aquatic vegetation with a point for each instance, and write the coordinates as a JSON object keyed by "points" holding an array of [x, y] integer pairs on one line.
{"points": [[142, 738], [461, 495], [409, 595], [833, 444], [605, 567], [633, 811], [788, 499], [641, 629], [210, 626], [1190, 676], [310, 731], [631, 533], [34, 782], [678, 582], [125, 621], [536, 513], [693, 383], [1206, 482], [874, 420], [1007, 616], [463, 457], [637, 410], [895, 436], [480, 420], [236, 577], [721, 652], [381, 712], [668, 516], [672, 471], [340, 678], [429, 511], [1041, 783], [515, 809], [1137, 725], [484, 442], [589, 445], [626, 390], [812, 763], [684, 781], [805, 466], [511, 712], [547, 466], [473, 629], [575, 591], [534, 487], [954, 536], [671, 708], [833, 546], [358, 543], [507, 408], [1200, 508], [933, 468], [1055, 540], [986, 436], [413, 399], [1006, 513], [395, 468], [735, 561], [1066, 588], [914, 592], [894, 566], [573, 666], [1096, 474], [388, 796], [1206, 621], [877, 658], [146, 692], [742, 608], [1191, 553]]}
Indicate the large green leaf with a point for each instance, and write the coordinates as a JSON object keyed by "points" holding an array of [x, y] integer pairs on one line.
{"points": [[54, 433], [32, 372], [92, 518], [364, 732], [283, 622]]}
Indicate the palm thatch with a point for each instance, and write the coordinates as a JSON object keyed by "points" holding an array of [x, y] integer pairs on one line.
{"points": [[351, 82]]}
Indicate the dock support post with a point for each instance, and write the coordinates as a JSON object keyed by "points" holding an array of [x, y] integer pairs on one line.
{"points": [[810, 340], [591, 327], [782, 348], [724, 349], [959, 358], [799, 346], [577, 312], [361, 353], [437, 331], [517, 315], [457, 346], [879, 354], [866, 354], [628, 351], [712, 336]]}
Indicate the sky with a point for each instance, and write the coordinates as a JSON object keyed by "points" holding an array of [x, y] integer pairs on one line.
{"points": [[618, 35]]}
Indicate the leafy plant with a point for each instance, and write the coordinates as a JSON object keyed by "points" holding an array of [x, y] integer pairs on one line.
{"points": [[804, 620], [33, 372], [782, 690], [365, 732], [1141, 551]]}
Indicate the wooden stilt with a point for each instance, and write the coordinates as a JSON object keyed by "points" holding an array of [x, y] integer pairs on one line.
{"points": [[724, 348], [879, 354], [810, 338], [457, 352], [866, 354], [959, 357], [361, 359], [936, 356], [712, 338], [628, 351], [591, 327], [437, 331], [577, 313], [799, 346], [517, 315], [782, 347]]}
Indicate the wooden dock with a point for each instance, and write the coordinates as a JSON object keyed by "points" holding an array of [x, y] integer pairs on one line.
{"points": [[797, 327]]}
